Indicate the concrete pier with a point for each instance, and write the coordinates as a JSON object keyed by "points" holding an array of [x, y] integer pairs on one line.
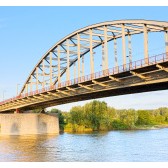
{"points": [[28, 123]]}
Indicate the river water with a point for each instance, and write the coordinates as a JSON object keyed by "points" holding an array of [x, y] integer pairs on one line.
{"points": [[113, 146]]}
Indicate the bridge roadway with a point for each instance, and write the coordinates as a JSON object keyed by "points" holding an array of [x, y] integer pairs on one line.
{"points": [[136, 77]]}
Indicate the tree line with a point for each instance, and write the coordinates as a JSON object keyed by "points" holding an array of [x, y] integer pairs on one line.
{"points": [[97, 116]]}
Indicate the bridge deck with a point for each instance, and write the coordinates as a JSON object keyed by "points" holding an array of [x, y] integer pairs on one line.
{"points": [[135, 77]]}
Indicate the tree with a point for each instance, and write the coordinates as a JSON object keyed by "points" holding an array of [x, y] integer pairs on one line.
{"points": [[145, 118]]}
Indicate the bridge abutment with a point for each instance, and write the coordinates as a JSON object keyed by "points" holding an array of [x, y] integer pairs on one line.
{"points": [[28, 123]]}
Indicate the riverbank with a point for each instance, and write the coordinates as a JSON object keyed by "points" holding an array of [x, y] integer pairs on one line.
{"points": [[97, 116], [81, 129], [151, 127]]}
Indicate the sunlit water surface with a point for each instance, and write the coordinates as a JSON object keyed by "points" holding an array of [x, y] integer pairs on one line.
{"points": [[113, 146]]}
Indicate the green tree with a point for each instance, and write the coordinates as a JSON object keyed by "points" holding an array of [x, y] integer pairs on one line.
{"points": [[128, 118], [37, 110], [145, 118]]}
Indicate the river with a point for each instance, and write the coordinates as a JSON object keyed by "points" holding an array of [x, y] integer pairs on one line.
{"points": [[112, 146]]}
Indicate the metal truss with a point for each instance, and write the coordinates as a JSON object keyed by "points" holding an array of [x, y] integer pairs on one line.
{"points": [[71, 49], [44, 84]]}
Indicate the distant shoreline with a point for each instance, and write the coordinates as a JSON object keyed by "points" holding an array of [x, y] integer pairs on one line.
{"points": [[144, 127]]}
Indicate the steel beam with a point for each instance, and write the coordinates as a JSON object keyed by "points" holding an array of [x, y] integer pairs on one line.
{"points": [[86, 87], [123, 46], [103, 57], [68, 72], [91, 53], [146, 43], [37, 97], [113, 78], [26, 88], [99, 83], [106, 47], [71, 89], [115, 53], [51, 69], [54, 94], [37, 83], [97, 34], [109, 30], [59, 72], [43, 67], [162, 68], [74, 70], [139, 75], [83, 67], [31, 84], [78, 50], [130, 50], [63, 92]]}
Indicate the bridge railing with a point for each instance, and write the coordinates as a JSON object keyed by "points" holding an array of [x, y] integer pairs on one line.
{"points": [[112, 71]]}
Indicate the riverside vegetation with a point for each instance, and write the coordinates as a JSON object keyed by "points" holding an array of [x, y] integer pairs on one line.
{"points": [[97, 116]]}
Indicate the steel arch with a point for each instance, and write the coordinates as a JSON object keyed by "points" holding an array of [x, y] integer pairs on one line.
{"points": [[93, 37]]}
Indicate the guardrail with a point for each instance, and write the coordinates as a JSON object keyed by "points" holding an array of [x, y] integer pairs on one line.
{"points": [[119, 69]]}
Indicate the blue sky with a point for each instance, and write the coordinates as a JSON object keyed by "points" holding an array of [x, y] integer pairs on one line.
{"points": [[26, 33]]}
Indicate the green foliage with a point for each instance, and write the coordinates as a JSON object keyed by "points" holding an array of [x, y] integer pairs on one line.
{"points": [[97, 116], [55, 111], [118, 125], [128, 118], [38, 110], [145, 118]]}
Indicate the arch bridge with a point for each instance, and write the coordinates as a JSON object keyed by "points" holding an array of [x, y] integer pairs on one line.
{"points": [[97, 61]]}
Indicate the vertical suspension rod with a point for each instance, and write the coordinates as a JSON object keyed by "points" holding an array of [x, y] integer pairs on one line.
{"points": [[105, 47], [68, 72], [146, 44], [91, 53], [50, 68], [37, 83], [130, 50], [123, 46], [115, 53], [43, 73], [58, 60], [78, 49]]}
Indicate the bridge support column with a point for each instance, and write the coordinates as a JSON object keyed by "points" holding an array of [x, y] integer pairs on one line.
{"points": [[28, 123]]}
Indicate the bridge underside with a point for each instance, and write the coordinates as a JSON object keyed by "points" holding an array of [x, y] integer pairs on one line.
{"points": [[148, 78]]}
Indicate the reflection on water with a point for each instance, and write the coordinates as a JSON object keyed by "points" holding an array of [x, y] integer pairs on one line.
{"points": [[144, 145], [24, 148]]}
